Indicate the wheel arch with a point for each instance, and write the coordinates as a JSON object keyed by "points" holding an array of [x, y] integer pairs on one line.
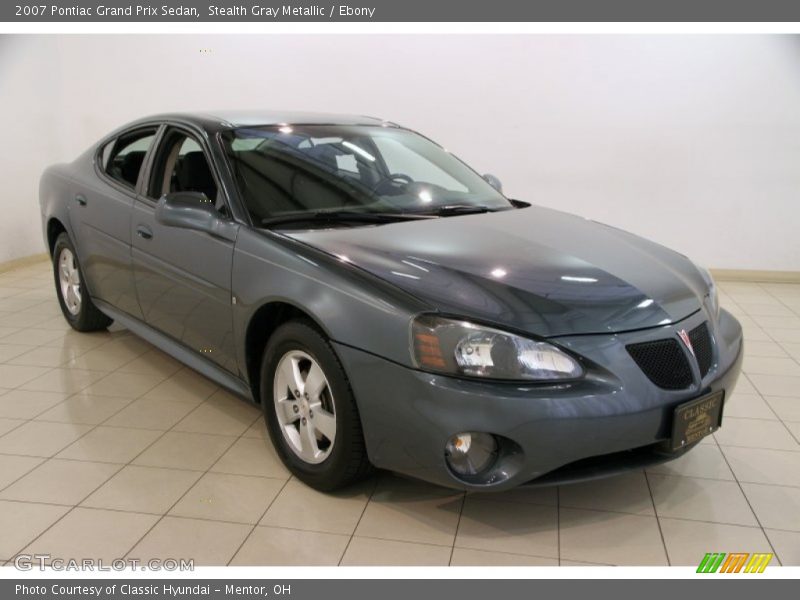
{"points": [[54, 228], [262, 325]]}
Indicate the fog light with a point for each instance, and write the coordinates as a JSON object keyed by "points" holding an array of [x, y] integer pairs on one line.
{"points": [[469, 453]]}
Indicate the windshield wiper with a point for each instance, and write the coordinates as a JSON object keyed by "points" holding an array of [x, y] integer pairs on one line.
{"points": [[458, 209], [340, 216]]}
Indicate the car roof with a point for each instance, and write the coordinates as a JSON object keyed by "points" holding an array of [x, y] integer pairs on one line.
{"points": [[230, 119]]}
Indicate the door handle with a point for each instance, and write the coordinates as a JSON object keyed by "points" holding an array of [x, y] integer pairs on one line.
{"points": [[144, 232], [80, 199]]}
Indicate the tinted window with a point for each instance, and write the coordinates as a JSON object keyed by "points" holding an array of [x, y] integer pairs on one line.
{"points": [[105, 154], [182, 166], [309, 168], [402, 159], [124, 160]]}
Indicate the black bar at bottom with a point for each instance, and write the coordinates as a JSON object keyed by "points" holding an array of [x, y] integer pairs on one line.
{"points": [[711, 585]]}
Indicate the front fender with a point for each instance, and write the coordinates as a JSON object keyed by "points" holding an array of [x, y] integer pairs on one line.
{"points": [[353, 307]]}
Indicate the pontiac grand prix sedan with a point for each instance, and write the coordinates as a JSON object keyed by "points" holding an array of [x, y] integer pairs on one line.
{"points": [[386, 305]]}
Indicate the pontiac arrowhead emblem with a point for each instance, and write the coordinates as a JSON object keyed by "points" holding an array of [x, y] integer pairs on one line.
{"points": [[685, 339]]}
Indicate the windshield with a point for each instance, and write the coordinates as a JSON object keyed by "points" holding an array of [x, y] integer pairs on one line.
{"points": [[286, 170]]}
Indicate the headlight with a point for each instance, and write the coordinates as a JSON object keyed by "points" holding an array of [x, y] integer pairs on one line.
{"points": [[461, 348], [713, 295]]}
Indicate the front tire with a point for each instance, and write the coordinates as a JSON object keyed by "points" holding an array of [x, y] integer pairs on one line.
{"points": [[310, 410], [78, 308]]}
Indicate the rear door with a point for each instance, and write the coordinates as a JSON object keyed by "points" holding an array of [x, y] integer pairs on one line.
{"points": [[183, 277], [100, 215]]}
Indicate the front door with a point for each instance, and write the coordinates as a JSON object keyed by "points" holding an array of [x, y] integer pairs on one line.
{"points": [[183, 277]]}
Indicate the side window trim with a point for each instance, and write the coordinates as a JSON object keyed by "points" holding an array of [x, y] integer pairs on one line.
{"points": [[147, 167], [244, 215]]}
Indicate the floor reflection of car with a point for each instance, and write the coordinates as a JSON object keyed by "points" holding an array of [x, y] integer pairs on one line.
{"points": [[386, 305]]}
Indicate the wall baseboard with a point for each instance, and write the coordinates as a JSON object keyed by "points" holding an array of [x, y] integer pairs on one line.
{"points": [[756, 276], [23, 262]]}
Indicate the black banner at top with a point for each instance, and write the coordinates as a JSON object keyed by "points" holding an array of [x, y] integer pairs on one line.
{"points": [[400, 10]]}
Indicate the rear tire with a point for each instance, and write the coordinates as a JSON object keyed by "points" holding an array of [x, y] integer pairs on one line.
{"points": [[78, 308], [310, 410]]}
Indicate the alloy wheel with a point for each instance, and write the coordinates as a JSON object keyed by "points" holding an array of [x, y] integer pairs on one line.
{"points": [[69, 279], [304, 406]]}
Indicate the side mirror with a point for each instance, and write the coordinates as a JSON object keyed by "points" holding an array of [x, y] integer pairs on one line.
{"points": [[193, 210], [494, 182]]}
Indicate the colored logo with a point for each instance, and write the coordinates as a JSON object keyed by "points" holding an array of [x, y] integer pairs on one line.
{"points": [[685, 339], [735, 562]]}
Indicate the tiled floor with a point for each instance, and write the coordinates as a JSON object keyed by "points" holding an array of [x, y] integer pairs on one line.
{"points": [[109, 448]]}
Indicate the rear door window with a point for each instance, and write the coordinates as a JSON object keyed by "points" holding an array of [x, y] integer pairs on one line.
{"points": [[123, 161]]}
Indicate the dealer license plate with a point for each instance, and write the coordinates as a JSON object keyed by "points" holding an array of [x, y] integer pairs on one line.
{"points": [[696, 419]]}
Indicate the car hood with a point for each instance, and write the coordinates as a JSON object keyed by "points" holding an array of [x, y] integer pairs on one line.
{"points": [[536, 270]]}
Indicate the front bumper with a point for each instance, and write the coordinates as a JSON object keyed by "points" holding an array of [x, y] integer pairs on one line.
{"points": [[409, 415]]}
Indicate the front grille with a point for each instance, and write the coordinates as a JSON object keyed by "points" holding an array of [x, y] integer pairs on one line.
{"points": [[663, 362], [701, 343]]}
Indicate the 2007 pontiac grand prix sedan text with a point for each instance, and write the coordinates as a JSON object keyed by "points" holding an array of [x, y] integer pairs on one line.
{"points": [[386, 305]]}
